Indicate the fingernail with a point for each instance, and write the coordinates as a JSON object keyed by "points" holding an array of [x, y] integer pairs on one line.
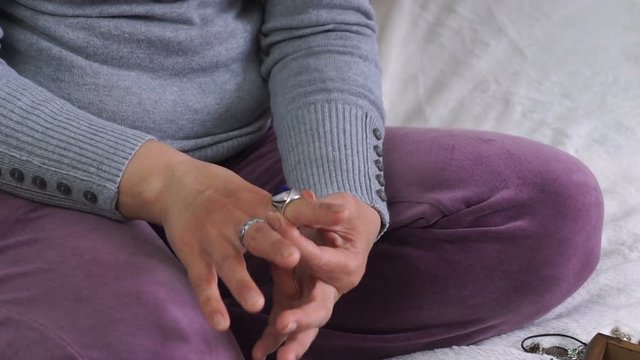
{"points": [[256, 355], [218, 322], [288, 252], [291, 328], [274, 221], [308, 194], [253, 300]]}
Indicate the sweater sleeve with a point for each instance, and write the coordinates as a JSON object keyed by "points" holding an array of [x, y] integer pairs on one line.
{"points": [[54, 153], [321, 63]]}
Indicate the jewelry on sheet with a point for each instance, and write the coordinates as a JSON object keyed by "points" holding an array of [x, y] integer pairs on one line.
{"points": [[558, 352], [619, 334], [561, 352]]}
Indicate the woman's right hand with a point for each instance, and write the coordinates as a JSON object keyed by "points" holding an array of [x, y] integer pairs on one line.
{"points": [[202, 208]]}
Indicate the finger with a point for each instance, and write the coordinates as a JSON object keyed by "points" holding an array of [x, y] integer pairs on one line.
{"points": [[262, 241], [336, 266], [284, 283], [232, 269], [308, 194], [314, 314], [224, 248], [332, 239], [297, 344], [285, 288], [204, 281], [322, 261], [311, 212], [291, 232], [269, 342]]}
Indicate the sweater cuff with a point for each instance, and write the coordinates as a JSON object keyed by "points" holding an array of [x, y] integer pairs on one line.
{"points": [[55, 153], [333, 147]]}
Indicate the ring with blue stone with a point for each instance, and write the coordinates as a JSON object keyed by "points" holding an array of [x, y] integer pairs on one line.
{"points": [[283, 196]]}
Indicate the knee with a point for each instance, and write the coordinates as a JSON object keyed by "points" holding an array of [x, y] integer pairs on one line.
{"points": [[552, 228], [566, 202], [564, 206]]}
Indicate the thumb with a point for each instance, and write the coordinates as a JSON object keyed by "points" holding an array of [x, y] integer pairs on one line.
{"points": [[311, 212]]}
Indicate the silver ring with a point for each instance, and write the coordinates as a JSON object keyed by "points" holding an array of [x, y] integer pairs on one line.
{"points": [[281, 200], [245, 227]]}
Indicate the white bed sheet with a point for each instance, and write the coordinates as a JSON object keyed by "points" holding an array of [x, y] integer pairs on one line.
{"points": [[566, 73]]}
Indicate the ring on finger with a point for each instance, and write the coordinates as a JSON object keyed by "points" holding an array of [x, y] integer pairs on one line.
{"points": [[280, 200], [245, 227]]}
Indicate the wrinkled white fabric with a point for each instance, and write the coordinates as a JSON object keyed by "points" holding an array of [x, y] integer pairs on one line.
{"points": [[566, 73]]}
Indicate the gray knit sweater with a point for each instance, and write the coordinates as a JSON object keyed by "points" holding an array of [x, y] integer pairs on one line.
{"points": [[84, 83]]}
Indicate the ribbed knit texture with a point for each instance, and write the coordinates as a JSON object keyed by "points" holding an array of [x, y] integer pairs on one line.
{"points": [[329, 163], [44, 136], [93, 81], [324, 78]]}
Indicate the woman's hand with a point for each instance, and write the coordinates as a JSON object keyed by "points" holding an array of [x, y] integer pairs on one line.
{"points": [[302, 304], [202, 208], [333, 248], [335, 237]]}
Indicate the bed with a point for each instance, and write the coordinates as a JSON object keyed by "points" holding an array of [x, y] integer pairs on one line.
{"points": [[566, 73]]}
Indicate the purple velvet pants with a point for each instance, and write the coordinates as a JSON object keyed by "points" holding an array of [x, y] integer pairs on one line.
{"points": [[488, 232]]}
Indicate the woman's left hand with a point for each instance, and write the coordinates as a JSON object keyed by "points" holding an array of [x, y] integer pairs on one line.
{"points": [[336, 235], [302, 304]]}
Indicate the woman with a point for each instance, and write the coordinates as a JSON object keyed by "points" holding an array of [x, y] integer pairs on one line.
{"points": [[133, 130]]}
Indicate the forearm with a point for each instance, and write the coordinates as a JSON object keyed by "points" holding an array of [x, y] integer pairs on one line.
{"points": [[324, 80], [55, 153]]}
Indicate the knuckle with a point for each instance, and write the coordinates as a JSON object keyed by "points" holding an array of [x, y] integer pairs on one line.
{"points": [[335, 212], [254, 234], [206, 305], [321, 264], [324, 309], [347, 199], [350, 283], [354, 277], [210, 195], [224, 260], [198, 283], [343, 215], [352, 268], [254, 191], [201, 281], [325, 315], [200, 288], [291, 232]]}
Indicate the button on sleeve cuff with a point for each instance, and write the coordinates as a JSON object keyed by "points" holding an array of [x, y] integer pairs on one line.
{"points": [[330, 147], [55, 153]]}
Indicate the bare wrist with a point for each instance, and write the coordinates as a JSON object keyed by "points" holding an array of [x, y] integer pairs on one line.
{"points": [[144, 180]]}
